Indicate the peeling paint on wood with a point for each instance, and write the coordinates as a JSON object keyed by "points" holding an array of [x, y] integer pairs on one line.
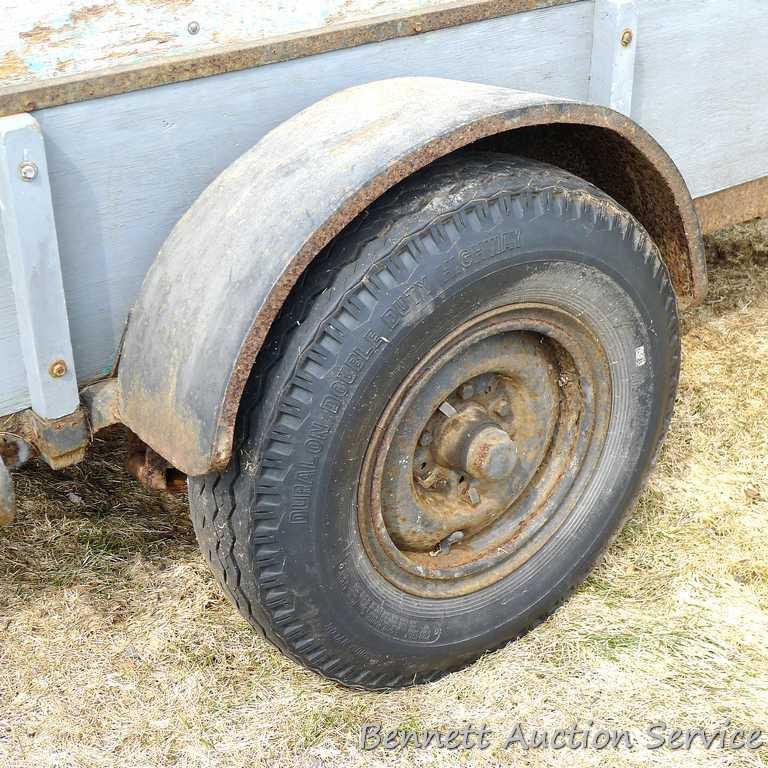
{"points": [[90, 12], [137, 57], [12, 66], [71, 37]]}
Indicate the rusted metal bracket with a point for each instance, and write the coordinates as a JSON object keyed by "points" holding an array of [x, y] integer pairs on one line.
{"points": [[61, 442], [15, 451], [733, 205], [151, 469], [102, 402]]}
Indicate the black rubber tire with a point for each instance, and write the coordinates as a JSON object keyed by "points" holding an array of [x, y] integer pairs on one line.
{"points": [[279, 526]]}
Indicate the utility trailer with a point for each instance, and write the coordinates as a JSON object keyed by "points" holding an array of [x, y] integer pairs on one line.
{"points": [[395, 285]]}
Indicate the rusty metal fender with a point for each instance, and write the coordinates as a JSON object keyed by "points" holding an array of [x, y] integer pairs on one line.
{"points": [[223, 273]]}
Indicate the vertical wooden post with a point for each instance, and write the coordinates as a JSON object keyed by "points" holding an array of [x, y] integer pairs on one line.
{"points": [[33, 258], [614, 41]]}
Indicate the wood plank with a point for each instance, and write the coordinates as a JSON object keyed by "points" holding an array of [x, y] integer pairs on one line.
{"points": [[35, 268], [700, 88], [88, 51], [41, 41], [14, 392], [612, 67]]}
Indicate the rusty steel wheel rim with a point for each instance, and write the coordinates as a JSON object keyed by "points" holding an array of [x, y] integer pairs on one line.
{"points": [[484, 450]]}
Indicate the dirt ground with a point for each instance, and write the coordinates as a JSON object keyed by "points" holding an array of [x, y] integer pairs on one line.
{"points": [[118, 649]]}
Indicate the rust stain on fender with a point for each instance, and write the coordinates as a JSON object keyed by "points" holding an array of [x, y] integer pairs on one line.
{"points": [[187, 355]]}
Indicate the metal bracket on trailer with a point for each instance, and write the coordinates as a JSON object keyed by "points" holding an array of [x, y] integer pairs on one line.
{"points": [[33, 258], [41, 313], [614, 41], [14, 453]]}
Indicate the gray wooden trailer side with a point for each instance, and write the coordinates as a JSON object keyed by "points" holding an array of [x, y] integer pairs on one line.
{"points": [[124, 168]]}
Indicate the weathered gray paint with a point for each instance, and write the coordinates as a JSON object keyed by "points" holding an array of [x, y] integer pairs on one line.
{"points": [[701, 89], [34, 268], [48, 40], [14, 393], [124, 168], [72, 47], [612, 70]]}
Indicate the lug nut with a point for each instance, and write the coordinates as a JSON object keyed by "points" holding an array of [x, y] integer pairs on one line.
{"points": [[502, 408], [445, 545], [447, 409], [425, 439], [429, 480], [473, 495], [467, 391]]}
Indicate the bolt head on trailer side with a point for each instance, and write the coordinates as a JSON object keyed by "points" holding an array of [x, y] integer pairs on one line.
{"points": [[398, 295]]}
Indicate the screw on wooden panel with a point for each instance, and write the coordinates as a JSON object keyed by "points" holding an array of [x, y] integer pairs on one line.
{"points": [[193, 27], [27, 170], [626, 37], [58, 368]]}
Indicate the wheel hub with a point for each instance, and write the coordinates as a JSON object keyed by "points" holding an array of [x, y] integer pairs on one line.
{"points": [[471, 441], [466, 466], [479, 448]]}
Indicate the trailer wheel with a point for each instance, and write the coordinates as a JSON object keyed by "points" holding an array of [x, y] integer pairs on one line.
{"points": [[451, 418]]}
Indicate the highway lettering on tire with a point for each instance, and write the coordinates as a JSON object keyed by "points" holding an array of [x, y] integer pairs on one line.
{"points": [[485, 250]]}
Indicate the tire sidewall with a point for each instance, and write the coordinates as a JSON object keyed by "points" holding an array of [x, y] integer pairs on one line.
{"points": [[407, 299]]}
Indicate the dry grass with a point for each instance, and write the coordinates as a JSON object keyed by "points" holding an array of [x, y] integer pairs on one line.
{"points": [[117, 648]]}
